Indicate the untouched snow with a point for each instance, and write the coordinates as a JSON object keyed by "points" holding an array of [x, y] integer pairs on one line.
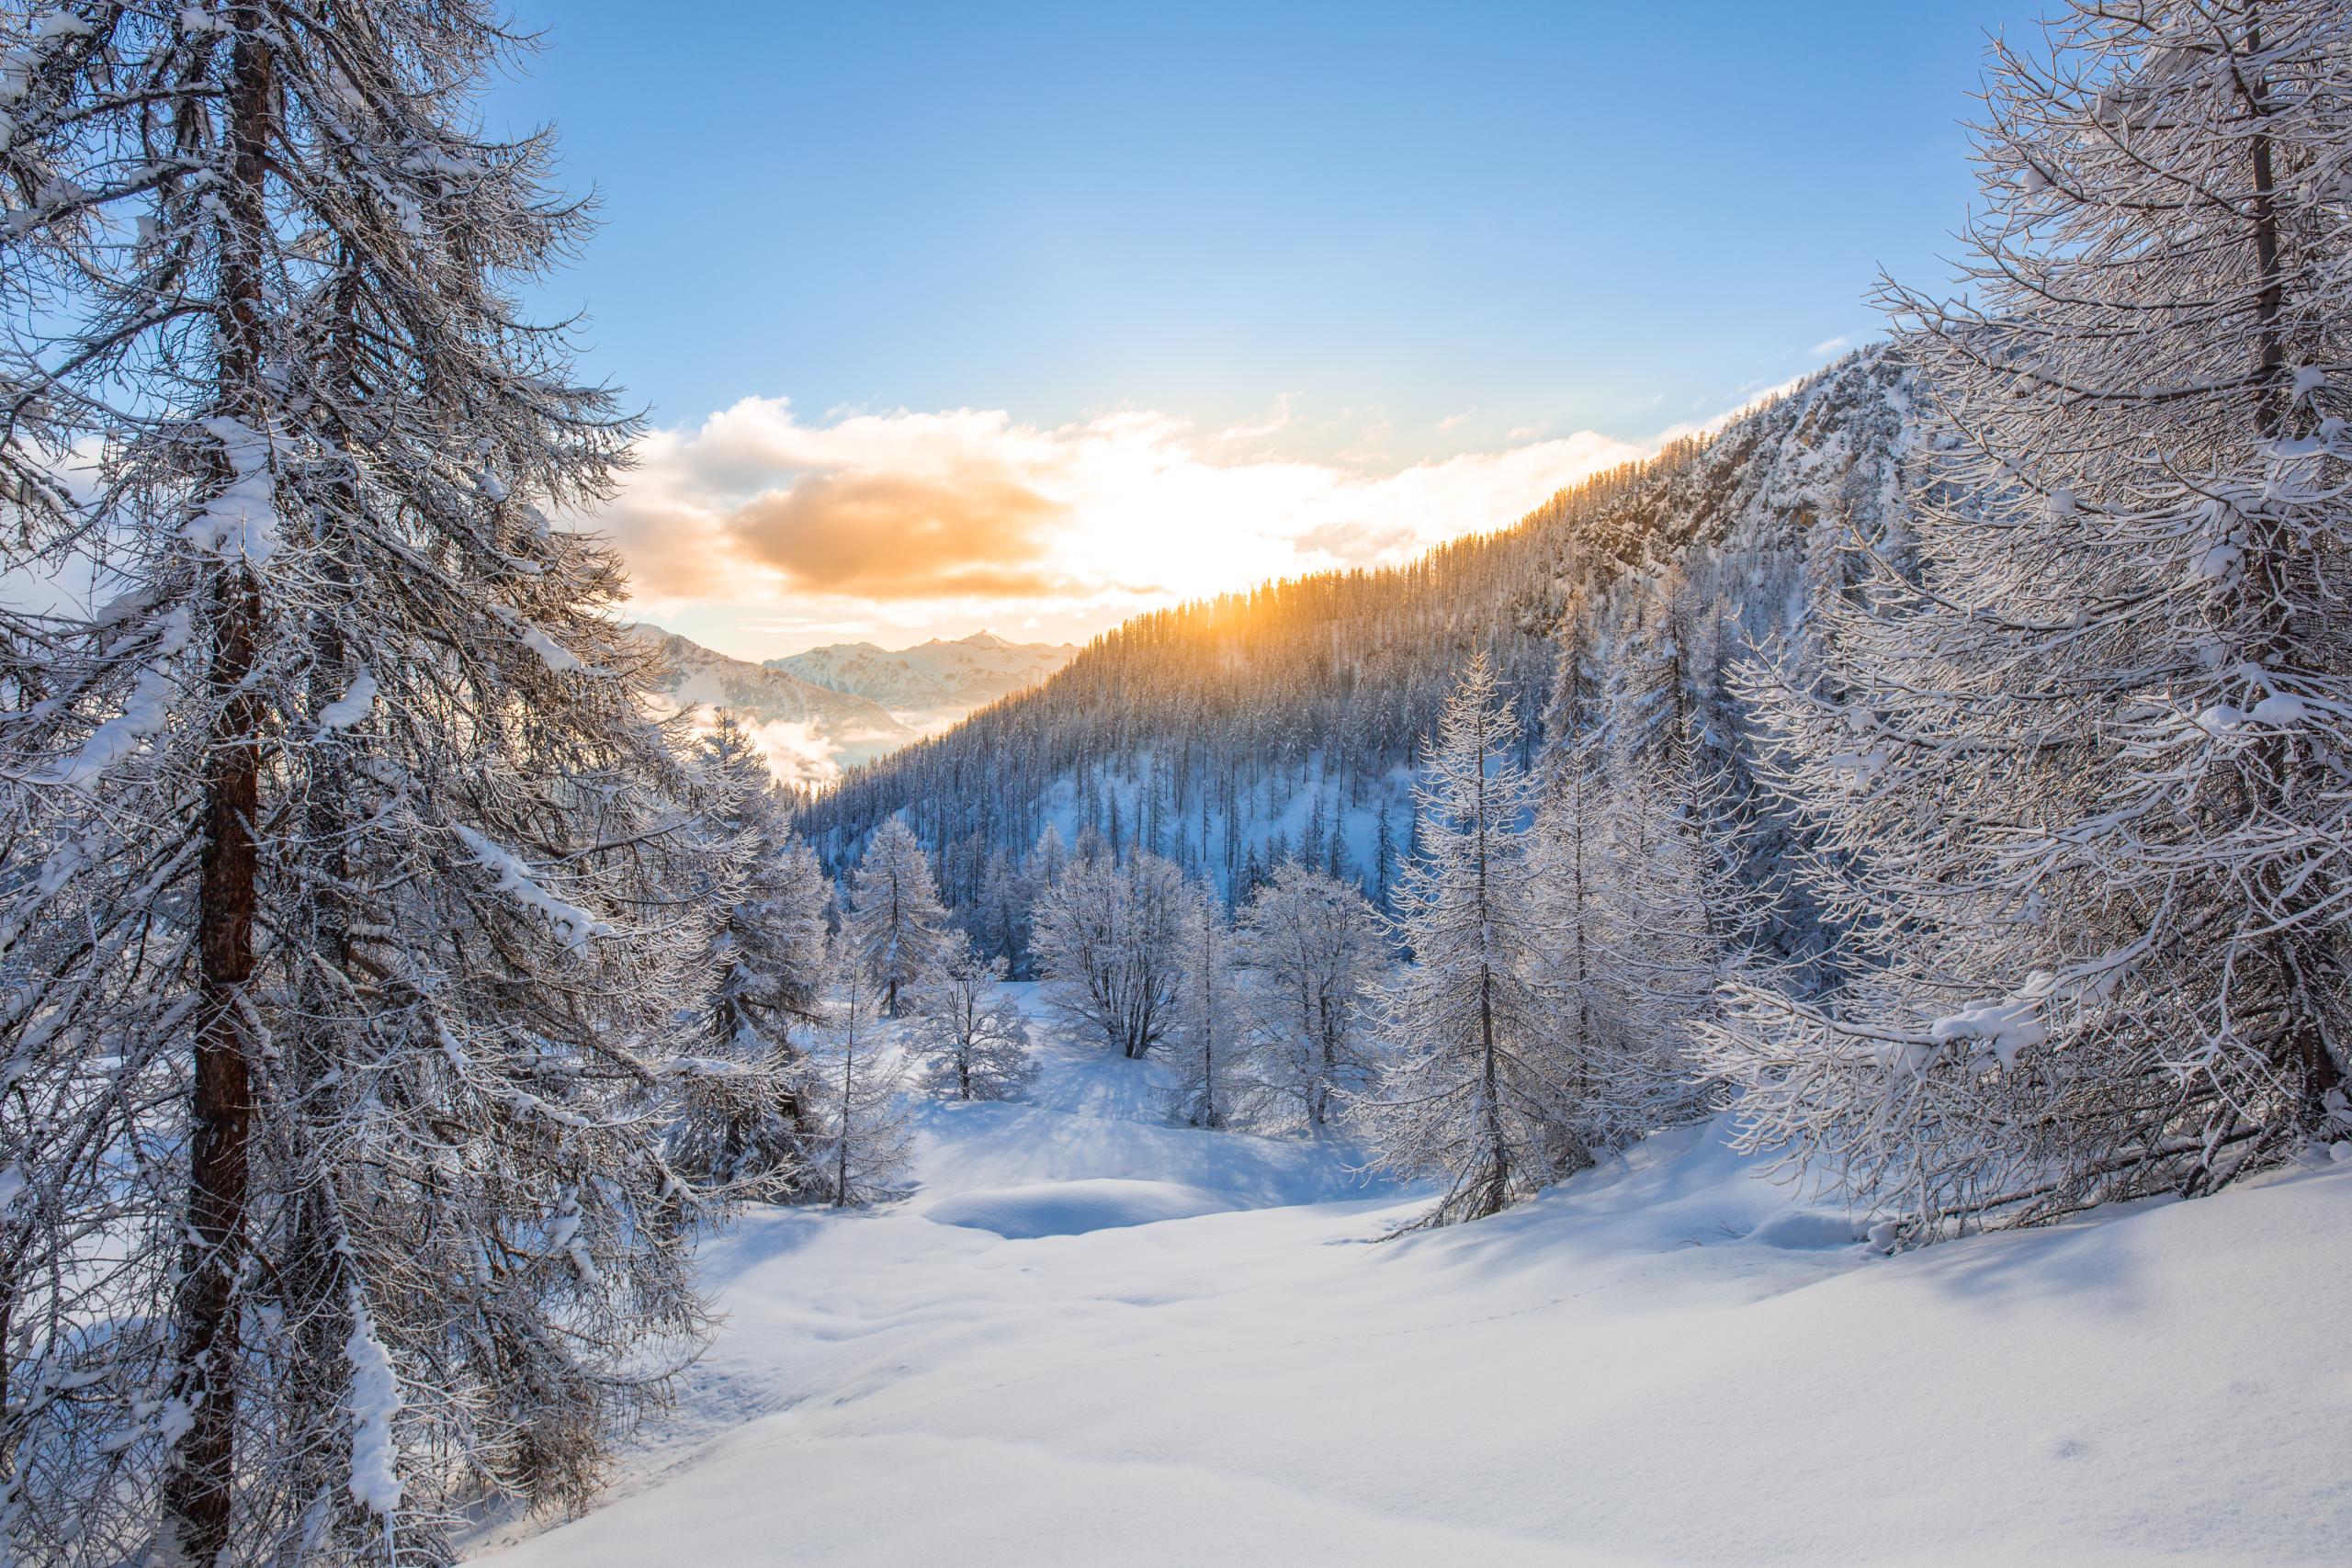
{"points": [[1072, 1208], [1664, 1360]]}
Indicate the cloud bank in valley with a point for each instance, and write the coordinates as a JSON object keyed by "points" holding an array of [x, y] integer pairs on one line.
{"points": [[909, 520]]}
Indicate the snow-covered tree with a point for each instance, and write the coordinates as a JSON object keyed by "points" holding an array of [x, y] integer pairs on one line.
{"points": [[975, 1037], [1207, 1043], [1475, 1089], [2081, 776], [1108, 940], [862, 1140], [999, 921], [338, 858], [1638, 883], [1048, 858], [742, 1122], [1314, 947], [896, 925]]}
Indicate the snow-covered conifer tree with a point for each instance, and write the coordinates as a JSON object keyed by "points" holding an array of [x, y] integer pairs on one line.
{"points": [[1108, 940], [338, 941], [1000, 920], [2080, 779], [1207, 1043], [1314, 948], [741, 1120], [975, 1037], [896, 925], [863, 1139], [1641, 888], [1047, 860], [1475, 1090]]}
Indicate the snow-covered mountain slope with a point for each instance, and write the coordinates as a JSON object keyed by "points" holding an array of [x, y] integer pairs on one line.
{"points": [[932, 686], [809, 731], [1284, 720], [1090, 1338]]}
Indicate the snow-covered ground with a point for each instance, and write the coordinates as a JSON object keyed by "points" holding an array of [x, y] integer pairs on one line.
{"points": [[1091, 1338]]}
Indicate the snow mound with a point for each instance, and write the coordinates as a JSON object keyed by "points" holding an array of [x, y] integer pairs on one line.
{"points": [[1073, 1208], [1803, 1230]]}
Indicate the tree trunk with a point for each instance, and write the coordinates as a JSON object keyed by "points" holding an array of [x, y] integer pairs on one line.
{"points": [[199, 1483]]}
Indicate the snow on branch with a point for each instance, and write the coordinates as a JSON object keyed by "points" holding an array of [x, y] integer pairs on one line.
{"points": [[573, 925]]}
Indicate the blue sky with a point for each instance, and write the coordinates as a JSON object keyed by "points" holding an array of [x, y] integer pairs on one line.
{"points": [[1359, 238]]}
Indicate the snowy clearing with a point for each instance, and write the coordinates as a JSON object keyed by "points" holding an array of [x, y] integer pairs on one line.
{"points": [[1664, 1360]]}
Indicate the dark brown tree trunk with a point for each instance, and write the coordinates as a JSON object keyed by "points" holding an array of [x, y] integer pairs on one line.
{"points": [[199, 1487]]}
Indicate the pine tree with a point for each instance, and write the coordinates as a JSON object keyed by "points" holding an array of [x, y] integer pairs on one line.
{"points": [[975, 1037], [336, 925], [1314, 949], [2078, 779], [896, 923], [1475, 1092]]}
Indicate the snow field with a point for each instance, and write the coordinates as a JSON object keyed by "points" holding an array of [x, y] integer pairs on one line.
{"points": [[1663, 1360]]}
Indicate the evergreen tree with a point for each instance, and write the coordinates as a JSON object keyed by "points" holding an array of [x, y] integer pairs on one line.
{"points": [[338, 858], [1048, 858], [1476, 1092], [896, 924]]}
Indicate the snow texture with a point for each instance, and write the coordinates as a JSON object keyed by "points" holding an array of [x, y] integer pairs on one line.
{"points": [[1073, 1208], [373, 1400], [353, 706], [573, 925]]}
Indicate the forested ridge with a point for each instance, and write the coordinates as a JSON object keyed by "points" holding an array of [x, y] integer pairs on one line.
{"points": [[1284, 721]]}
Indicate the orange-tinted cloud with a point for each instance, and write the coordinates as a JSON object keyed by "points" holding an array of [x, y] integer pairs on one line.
{"points": [[924, 519], [897, 535]]}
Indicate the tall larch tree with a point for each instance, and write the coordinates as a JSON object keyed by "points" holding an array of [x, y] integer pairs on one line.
{"points": [[1477, 1090], [896, 925], [2080, 775], [742, 1119], [338, 856], [1206, 1042]]}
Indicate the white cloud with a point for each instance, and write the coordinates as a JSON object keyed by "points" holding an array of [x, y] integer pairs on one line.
{"points": [[1827, 347], [905, 523], [1450, 421]]}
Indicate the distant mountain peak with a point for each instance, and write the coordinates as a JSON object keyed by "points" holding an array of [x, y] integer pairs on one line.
{"points": [[833, 729], [933, 684]]}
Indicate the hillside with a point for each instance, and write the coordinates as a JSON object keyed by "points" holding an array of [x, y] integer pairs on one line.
{"points": [[1089, 1336], [1232, 732], [808, 731], [931, 686]]}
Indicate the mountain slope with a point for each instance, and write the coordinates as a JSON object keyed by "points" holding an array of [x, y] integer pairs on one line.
{"points": [[934, 685], [811, 732], [1284, 720]]}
